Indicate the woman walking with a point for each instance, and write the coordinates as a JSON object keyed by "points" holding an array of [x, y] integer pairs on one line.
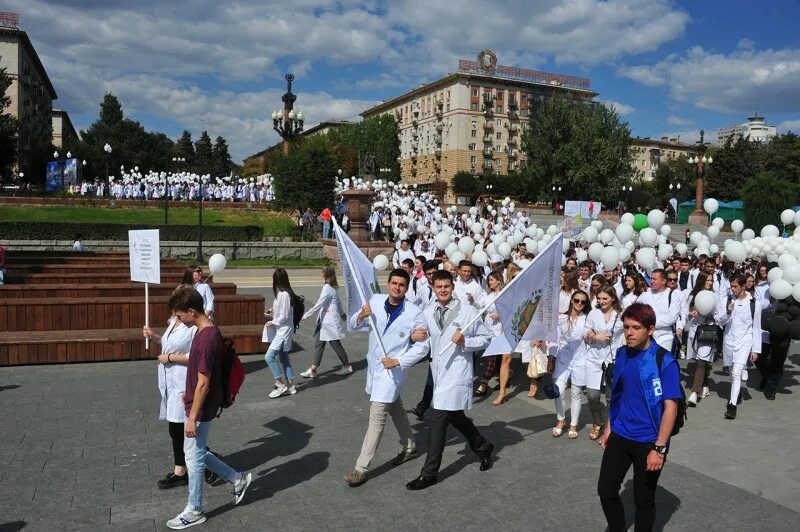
{"points": [[330, 325], [571, 327], [495, 284], [569, 284], [632, 288], [172, 362], [505, 360], [282, 321]]}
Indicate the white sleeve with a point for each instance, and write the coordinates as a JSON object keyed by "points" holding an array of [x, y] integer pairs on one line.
{"points": [[281, 308], [324, 297], [756, 329]]}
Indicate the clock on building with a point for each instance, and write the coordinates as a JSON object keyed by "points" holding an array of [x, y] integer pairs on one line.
{"points": [[487, 60]]}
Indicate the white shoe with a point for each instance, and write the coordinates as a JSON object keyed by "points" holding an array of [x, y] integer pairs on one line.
{"points": [[692, 400], [240, 487], [706, 392], [278, 391], [292, 390], [345, 370], [185, 519], [309, 374], [682, 355]]}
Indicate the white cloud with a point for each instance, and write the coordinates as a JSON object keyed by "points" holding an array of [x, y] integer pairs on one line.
{"points": [[739, 82], [789, 125], [678, 121], [621, 108], [746, 44]]}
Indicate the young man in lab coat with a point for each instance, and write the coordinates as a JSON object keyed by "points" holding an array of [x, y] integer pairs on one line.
{"points": [[452, 376], [399, 323]]}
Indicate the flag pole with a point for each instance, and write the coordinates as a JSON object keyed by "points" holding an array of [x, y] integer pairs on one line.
{"points": [[506, 287]]}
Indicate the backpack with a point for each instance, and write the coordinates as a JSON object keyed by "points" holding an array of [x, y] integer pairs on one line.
{"points": [[232, 374], [298, 308], [681, 416]]}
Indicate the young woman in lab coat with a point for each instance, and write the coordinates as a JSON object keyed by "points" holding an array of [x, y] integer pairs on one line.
{"points": [[632, 287], [571, 328], [602, 337], [495, 285], [330, 324], [282, 322], [741, 339], [505, 360]]}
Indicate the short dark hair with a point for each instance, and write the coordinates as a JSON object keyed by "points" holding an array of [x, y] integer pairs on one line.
{"points": [[430, 265], [466, 263], [441, 275], [409, 262], [399, 272], [405, 240], [641, 313], [186, 299], [660, 271]]}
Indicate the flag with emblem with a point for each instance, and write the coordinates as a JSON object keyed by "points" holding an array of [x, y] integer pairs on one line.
{"points": [[360, 280]]}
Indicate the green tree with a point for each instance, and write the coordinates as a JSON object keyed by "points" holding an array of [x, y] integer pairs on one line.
{"points": [[466, 184], [765, 197], [9, 131], [734, 163], [673, 172], [203, 158], [254, 166], [782, 157], [305, 177], [378, 136], [583, 147], [221, 161], [185, 148]]}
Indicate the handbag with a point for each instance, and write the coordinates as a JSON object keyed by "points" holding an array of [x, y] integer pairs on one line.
{"points": [[706, 334], [538, 364], [607, 376]]}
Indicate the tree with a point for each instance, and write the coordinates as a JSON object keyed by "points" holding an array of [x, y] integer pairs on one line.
{"points": [[765, 197], [466, 184], [221, 162], [782, 157], [9, 131], [378, 136], [583, 147], [673, 172], [734, 163], [306, 176], [184, 148], [203, 155], [254, 166]]}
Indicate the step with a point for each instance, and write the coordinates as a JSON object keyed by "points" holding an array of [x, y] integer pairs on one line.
{"points": [[82, 278], [46, 314], [19, 291], [60, 347], [22, 269], [15, 260]]}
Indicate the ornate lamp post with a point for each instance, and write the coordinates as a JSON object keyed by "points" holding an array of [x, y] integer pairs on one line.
{"points": [[287, 123], [556, 190], [698, 216], [107, 150], [57, 156]]}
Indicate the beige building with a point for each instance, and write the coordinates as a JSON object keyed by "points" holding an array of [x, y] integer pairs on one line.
{"points": [[471, 119], [755, 129], [649, 153], [64, 133], [31, 94]]}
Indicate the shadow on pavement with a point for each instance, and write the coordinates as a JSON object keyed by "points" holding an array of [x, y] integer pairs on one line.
{"points": [[3, 388], [12, 526], [667, 503], [288, 437]]}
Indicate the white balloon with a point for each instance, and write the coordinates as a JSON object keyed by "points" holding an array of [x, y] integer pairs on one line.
{"points": [[748, 234], [737, 226], [624, 232], [705, 301], [403, 235], [606, 236], [718, 222], [796, 292], [797, 221], [701, 251], [565, 245], [597, 224], [780, 289], [648, 236], [769, 230], [504, 249], [465, 245], [624, 255], [627, 219], [786, 260], [664, 252], [553, 230], [713, 232], [380, 262], [711, 205], [609, 256], [682, 248], [714, 249], [655, 219], [581, 255], [665, 230], [457, 257], [590, 234], [217, 263], [451, 248], [736, 252], [477, 228], [646, 258], [787, 217], [695, 238], [791, 274], [595, 250], [774, 274], [524, 263]]}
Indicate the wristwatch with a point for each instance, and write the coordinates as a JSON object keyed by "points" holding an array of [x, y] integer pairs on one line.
{"points": [[660, 449]]}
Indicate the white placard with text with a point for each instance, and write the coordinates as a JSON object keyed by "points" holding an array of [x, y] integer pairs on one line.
{"points": [[145, 256]]}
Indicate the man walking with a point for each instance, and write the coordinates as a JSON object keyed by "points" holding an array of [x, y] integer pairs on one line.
{"points": [[326, 222], [667, 306], [645, 388], [202, 399], [398, 322]]}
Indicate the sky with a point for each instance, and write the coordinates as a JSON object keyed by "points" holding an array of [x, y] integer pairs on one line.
{"points": [[668, 67]]}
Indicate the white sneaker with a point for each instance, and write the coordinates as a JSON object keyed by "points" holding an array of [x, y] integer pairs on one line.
{"points": [[345, 370], [692, 400], [706, 392], [185, 519], [240, 487], [309, 374], [292, 390], [278, 391], [682, 355]]}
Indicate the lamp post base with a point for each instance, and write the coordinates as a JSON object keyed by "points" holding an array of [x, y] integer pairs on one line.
{"points": [[698, 217]]}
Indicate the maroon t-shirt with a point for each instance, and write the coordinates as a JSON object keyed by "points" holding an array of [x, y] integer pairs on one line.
{"points": [[205, 356]]}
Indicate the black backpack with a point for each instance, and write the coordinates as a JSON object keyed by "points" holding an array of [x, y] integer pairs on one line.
{"points": [[298, 308], [681, 416]]}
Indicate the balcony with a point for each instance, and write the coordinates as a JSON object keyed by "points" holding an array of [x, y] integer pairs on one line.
{"points": [[488, 111], [513, 129], [487, 165], [437, 139], [439, 114], [487, 138], [512, 141], [488, 125], [414, 122], [439, 127], [512, 154], [487, 152], [414, 134], [437, 152]]}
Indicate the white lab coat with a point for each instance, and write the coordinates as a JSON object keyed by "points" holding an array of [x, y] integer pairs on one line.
{"points": [[570, 340], [452, 370], [742, 334], [472, 287], [282, 322], [587, 364], [172, 377], [329, 321], [717, 317], [385, 386], [667, 313], [208, 298]]}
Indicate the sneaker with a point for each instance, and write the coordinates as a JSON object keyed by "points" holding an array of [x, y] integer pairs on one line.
{"points": [[186, 519], [682, 355], [345, 370], [240, 487], [172, 480], [278, 391], [309, 374], [355, 478], [292, 390], [692, 399], [405, 455], [730, 413], [706, 392]]}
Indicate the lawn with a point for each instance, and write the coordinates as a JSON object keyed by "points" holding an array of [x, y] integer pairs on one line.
{"points": [[272, 223]]}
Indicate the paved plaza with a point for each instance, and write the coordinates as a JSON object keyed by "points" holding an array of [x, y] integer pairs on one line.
{"points": [[81, 448]]}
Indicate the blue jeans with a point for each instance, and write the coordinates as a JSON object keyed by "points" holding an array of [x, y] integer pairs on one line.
{"points": [[326, 229], [197, 459], [272, 361]]}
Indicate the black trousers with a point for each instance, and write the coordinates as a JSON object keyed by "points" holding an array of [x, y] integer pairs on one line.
{"points": [[437, 436], [770, 363], [176, 435], [620, 454], [427, 394]]}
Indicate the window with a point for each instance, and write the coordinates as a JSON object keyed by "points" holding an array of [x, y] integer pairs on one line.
{"points": [[473, 107], [498, 135], [499, 108], [497, 147], [447, 106], [474, 134], [473, 160], [474, 124], [474, 93], [473, 146]]}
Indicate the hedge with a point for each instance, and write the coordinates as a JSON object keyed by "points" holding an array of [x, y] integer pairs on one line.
{"points": [[179, 233]]}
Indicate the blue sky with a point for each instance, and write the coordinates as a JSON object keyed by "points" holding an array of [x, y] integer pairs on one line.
{"points": [[670, 68]]}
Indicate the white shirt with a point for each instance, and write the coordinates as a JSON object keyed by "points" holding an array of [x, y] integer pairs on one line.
{"points": [[471, 287], [667, 311]]}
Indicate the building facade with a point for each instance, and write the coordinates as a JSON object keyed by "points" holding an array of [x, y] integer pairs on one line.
{"points": [[64, 133], [471, 120], [756, 129], [31, 94], [649, 153]]}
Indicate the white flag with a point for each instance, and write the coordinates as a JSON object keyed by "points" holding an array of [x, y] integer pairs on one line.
{"points": [[528, 305], [359, 274]]}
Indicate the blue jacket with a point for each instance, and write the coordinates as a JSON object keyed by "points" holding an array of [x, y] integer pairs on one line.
{"points": [[650, 378]]}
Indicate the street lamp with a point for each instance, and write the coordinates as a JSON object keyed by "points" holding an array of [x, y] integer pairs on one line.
{"points": [[200, 225], [287, 123], [556, 190], [60, 161], [107, 150], [698, 217]]}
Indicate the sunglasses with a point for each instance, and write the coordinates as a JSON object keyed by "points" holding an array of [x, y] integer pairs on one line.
{"points": [[581, 301], [672, 279]]}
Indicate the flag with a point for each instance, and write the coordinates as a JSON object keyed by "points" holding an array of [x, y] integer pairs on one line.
{"points": [[359, 274], [528, 305]]}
